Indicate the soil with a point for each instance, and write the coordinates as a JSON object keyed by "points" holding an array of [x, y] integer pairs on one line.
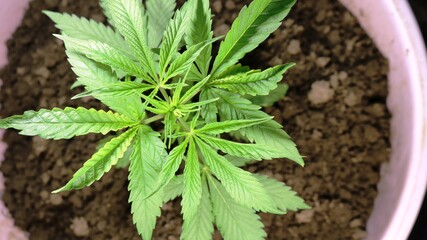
{"points": [[335, 111]]}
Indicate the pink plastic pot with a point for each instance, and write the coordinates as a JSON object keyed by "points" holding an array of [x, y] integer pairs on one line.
{"points": [[393, 28]]}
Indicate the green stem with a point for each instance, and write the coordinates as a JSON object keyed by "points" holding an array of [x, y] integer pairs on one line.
{"points": [[152, 119]]}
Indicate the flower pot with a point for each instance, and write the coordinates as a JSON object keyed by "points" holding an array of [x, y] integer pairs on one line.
{"points": [[11, 14], [402, 185], [393, 28]]}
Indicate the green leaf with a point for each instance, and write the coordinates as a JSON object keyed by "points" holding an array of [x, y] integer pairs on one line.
{"points": [[200, 225], [283, 196], [174, 188], [238, 161], [252, 151], [253, 83], [172, 164], [273, 97], [95, 75], [87, 29], [171, 39], [129, 18], [122, 162], [107, 13], [107, 55], [232, 107], [192, 183], [194, 90], [101, 162], [117, 89], [66, 123], [184, 62], [241, 185], [230, 125], [209, 112], [200, 30], [233, 220], [253, 25], [145, 165], [159, 13]]}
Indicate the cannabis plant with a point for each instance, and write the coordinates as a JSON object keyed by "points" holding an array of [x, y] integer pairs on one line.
{"points": [[154, 64]]}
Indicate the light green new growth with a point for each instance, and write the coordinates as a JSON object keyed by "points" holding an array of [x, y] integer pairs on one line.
{"points": [[156, 65]]}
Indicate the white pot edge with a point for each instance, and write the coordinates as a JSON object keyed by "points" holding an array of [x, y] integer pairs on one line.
{"points": [[11, 12], [402, 185], [383, 223]]}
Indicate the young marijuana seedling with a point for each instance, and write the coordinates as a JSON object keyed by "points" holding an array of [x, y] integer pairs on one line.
{"points": [[154, 65]]}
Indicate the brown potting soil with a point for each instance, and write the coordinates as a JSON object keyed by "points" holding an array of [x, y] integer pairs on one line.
{"points": [[335, 111]]}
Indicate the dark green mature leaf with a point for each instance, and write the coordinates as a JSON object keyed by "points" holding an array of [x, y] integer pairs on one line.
{"points": [[101, 162], [270, 133], [200, 30], [273, 97], [171, 39], [253, 25], [146, 163], [66, 123], [95, 75], [87, 29], [233, 220], [159, 13], [129, 18], [253, 83], [241, 185], [283, 196], [230, 125], [246, 150], [192, 183], [200, 225]]}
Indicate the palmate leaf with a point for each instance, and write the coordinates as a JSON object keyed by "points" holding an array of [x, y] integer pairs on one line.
{"points": [[172, 164], [253, 25], [200, 225], [174, 188], [232, 107], [101, 162], [229, 125], [184, 62], [199, 30], [273, 96], [233, 220], [66, 123], [159, 13], [246, 150], [95, 75], [283, 196], [129, 18], [241, 185], [146, 162], [171, 39], [105, 54], [87, 29], [255, 83], [192, 183], [210, 111], [117, 89]]}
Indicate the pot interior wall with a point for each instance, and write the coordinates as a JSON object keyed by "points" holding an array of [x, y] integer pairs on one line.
{"points": [[401, 189]]}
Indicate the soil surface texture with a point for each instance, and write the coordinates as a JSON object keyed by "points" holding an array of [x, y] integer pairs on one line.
{"points": [[335, 111]]}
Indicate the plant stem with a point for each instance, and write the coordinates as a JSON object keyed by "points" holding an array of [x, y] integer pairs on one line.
{"points": [[152, 119], [165, 94]]}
